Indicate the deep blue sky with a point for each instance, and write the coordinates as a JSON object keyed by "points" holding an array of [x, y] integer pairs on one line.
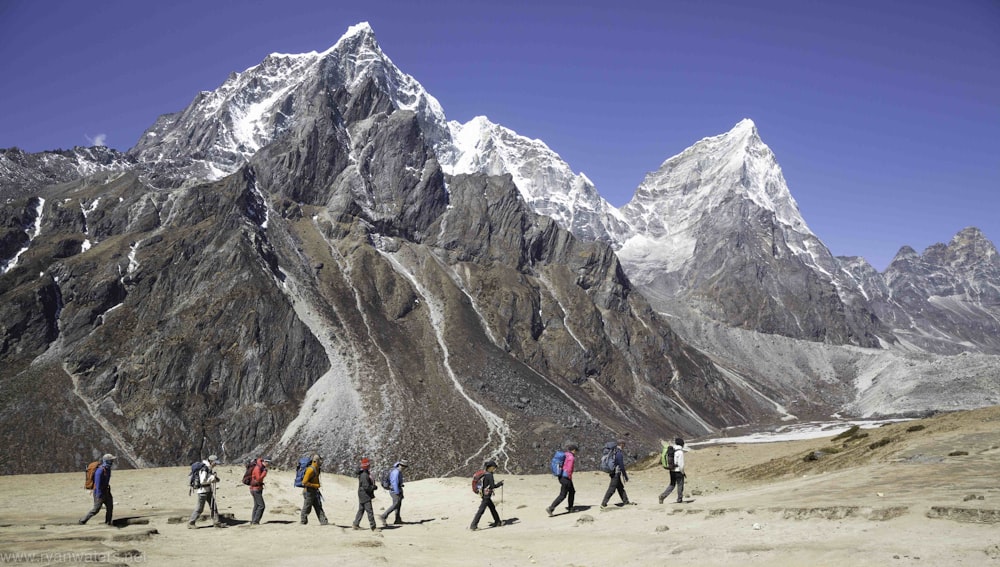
{"points": [[884, 115]]}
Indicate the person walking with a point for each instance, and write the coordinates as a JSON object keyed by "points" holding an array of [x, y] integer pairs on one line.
{"points": [[618, 477], [396, 491], [257, 476], [486, 497], [677, 474], [206, 484], [102, 491], [311, 496], [566, 489], [366, 492]]}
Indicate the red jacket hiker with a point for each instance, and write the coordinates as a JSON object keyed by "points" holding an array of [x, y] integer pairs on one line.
{"points": [[257, 489], [257, 476]]}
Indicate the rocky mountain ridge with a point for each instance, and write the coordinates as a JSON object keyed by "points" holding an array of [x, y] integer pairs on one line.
{"points": [[312, 258]]}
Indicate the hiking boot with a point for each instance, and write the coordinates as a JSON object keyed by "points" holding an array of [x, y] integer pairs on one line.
{"points": [[680, 501], [374, 529], [603, 506], [496, 524], [549, 510], [398, 522], [324, 523], [81, 522], [473, 528], [357, 527], [660, 498], [191, 526]]}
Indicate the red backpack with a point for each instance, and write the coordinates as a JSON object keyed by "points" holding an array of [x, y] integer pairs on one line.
{"points": [[248, 475], [477, 481]]}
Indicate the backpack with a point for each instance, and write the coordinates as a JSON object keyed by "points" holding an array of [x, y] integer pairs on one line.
{"points": [[194, 480], [608, 457], [248, 475], [383, 479], [300, 470], [558, 460], [667, 458], [477, 481], [88, 481]]}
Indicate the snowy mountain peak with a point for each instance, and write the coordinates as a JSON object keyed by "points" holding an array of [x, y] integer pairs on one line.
{"points": [[706, 175], [220, 130], [744, 128], [544, 180], [360, 29]]}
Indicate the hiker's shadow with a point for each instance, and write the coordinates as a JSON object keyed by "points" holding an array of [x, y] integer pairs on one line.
{"points": [[417, 523], [510, 521], [130, 521], [580, 509]]}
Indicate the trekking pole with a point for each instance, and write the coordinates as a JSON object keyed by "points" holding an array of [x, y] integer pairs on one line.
{"points": [[215, 503], [501, 501]]}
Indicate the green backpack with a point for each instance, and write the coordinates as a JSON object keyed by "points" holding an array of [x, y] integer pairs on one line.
{"points": [[667, 458]]}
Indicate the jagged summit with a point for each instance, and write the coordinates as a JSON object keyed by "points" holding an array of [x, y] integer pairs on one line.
{"points": [[220, 130], [361, 31], [369, 262], [736, 163], [544, 180], [717, 224]]}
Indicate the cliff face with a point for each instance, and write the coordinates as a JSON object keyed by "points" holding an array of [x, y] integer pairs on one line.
{"points": [[338, 293]]}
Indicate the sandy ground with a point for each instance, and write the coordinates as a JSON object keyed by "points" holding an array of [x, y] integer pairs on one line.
{"points": [[893, 497]]}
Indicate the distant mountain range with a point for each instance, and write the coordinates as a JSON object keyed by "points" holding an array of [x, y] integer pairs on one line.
{"points": [[312, 258]]}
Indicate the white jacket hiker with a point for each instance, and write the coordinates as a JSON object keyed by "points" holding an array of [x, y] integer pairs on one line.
{"points": [[676, 474], [207, 477]]}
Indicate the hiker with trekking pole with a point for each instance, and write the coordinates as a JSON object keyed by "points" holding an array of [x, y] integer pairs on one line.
{"points": [[205, 482], [487, 486], [312, 498]]}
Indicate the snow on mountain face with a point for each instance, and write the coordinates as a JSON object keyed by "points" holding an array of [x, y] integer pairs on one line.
{"points": [[221, 129], [671, 203], [544, 180]]}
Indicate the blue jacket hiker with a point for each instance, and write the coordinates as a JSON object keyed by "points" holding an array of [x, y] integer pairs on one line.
{"points": [[102, 490], [618, 477], [396, 491]]}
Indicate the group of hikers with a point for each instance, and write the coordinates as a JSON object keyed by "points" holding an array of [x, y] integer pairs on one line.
{"points": [[204, 482], [613, 463]]}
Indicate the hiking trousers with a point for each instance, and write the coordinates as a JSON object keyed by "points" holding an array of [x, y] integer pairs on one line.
{"points": [[676, 479], [397, 505], [487, 502], [616, 485], [203, 498], [312, 499], [364, 507], [258, 506], [566, 489], [105, 500]]}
